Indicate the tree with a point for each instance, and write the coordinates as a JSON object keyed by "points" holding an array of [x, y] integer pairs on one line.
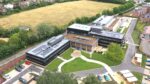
{"points": [[91, 80], [45, 31], [56, 78], [115, 52]]}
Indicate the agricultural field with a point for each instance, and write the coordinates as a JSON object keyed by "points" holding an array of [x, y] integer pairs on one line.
{"points": [[57, 14]]}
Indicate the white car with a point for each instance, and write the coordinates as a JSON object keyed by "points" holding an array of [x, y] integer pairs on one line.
{"points": [[6, 76]]}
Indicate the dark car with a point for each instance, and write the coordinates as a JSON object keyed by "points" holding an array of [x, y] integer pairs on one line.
{"points": [[21, 66], [147, 78], [23, 80], [18, 69], [99, 77]]}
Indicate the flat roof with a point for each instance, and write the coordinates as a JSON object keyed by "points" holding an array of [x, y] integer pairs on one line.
{"points": [[81, 39], [126, 75], [108, 34], [45, 49], [102, 20], [132, 79], [138, 55], [124, 71], [80, 27]]}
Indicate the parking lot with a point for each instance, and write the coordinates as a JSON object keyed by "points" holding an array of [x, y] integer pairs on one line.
{"points": [[146, 79]]}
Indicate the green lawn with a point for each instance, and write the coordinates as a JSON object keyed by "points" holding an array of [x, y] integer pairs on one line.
{"points": [[102, 58], [78, 65], [139, 77], [67, 53], [53, 65], [85, 54]]}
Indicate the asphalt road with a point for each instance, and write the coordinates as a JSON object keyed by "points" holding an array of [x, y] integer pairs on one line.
{"points": [[126, 63]]}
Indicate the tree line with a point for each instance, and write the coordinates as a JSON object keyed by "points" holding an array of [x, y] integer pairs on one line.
{"points": [[113, 1], [117, 10]]}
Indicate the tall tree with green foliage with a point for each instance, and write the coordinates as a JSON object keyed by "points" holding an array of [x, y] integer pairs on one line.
{"points": [[115, 52], [91, 80], [45, 31], [56, 78]]}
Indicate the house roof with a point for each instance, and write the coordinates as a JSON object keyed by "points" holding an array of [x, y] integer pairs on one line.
{"points": [[126, 75], [132, 79]]}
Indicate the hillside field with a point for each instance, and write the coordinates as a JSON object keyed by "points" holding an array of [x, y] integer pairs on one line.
{"points": [[57, 14]]}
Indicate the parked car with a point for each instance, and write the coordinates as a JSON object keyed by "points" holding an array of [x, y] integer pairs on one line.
{"points": [[99, 77], [23, 80], [6, 76], [106, 77], [147, 78], [18, 69], [147, 60], [21, 66]]}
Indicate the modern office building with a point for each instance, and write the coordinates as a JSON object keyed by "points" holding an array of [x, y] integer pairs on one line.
{"points": [[47, 51], [104, 37], [82, 42], [107, 37], [79, 29]]}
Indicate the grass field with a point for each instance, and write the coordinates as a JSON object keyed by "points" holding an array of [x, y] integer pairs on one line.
{"points": [[102, 58], [78, 65], [54, 64], [57, 14], [67, 53]]}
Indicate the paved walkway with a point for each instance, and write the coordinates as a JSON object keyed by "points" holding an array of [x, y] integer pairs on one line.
{"points": [[64, 62], [109, 70], [61, 58]]}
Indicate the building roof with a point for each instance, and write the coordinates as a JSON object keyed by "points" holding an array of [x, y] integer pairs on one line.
{"points": [[111, 26], [139, 60], [126, 75], [48, 47], [80, 27], [81, 39], [132, 79], [138, 55], [103, 20], [108, 34], [147, 30], [124, 71]]}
